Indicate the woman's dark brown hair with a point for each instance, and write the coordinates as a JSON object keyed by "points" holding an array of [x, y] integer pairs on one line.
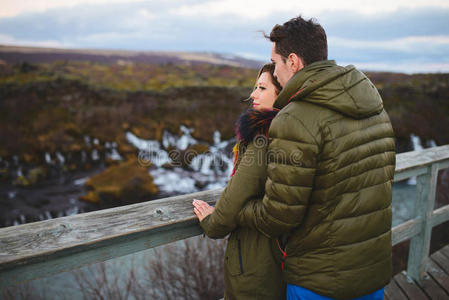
{"points": [[270, 69]]}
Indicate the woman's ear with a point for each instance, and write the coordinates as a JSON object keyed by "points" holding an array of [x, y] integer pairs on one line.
{"points": [[294, 62]]}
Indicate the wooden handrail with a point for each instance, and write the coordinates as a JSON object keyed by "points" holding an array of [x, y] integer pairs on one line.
{"points": [[38, 249]]}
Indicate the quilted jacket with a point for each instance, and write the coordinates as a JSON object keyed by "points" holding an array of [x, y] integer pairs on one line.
{"points": [[252, 267]]}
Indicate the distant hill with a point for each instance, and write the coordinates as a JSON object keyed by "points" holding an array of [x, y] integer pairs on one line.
{"points": [[19, 54], [75, 91]]}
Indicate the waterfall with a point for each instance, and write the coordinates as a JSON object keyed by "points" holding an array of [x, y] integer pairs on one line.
{"points": [[150, 151], [95, 155], [205, 171], [431, 144], [416, 143], [60, 157], [113, 154], [48, 158]]}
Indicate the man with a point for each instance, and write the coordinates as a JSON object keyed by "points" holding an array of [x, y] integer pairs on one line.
{"points": [[330, 172]]}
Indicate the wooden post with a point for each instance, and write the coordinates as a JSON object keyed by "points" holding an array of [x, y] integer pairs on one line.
{"points": [[424, 204]]}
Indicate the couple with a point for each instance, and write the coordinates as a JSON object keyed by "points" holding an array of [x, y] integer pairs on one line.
{"points": [[308, 206]]}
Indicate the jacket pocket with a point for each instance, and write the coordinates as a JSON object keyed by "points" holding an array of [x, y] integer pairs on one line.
{"points": [[240, 256], [233, 256]]}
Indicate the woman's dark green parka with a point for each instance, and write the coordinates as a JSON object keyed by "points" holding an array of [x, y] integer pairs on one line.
{"points": [[252, 260]]}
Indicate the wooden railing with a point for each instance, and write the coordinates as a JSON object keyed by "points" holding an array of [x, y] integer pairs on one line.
{"points": [[39, 249]]}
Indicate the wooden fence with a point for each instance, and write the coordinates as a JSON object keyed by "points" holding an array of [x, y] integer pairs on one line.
{"points": [[35, 250]]}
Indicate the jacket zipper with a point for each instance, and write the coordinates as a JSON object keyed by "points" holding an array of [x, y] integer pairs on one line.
{"points": [[240, 256], [284, 255]]}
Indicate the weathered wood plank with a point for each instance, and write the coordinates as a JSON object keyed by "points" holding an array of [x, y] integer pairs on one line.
{"points": [[444, 164], [416, 159], [431, 284], [392, 291], [408, 286], [405, 231], [34, 250], [440, 215], [432, 288], [402, 175], [442, 261], [445, 251], [438, 275], [51, 264], [424, 204], [28, 240]]}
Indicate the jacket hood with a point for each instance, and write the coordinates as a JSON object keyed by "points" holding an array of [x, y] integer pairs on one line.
{"points": [[342, 89]]}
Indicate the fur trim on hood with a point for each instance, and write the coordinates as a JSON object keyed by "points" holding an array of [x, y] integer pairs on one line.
{"points": [[252, 123]]}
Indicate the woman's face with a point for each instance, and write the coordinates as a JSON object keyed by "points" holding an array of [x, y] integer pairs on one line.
{"points": [[264, 93]]}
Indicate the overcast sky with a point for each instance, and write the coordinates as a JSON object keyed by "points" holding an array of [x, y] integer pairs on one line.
{"points": [[404, 35]]}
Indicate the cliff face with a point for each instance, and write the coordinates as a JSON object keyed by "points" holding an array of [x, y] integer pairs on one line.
{"points": [[55, 116], [64, 131], [417, 104], [63, 109], [70, 108]]}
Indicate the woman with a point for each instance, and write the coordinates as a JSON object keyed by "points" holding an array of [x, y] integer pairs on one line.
{"points": [[252, 261]]}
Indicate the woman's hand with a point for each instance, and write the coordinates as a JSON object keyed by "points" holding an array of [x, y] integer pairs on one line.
{"points": [[202, 209]]}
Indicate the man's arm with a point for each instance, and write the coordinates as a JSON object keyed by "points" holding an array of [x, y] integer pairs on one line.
{"points": [[246, 184], [292, 162]]}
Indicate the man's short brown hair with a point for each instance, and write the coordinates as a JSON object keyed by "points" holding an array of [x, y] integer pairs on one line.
{"points": [[305, 38]]}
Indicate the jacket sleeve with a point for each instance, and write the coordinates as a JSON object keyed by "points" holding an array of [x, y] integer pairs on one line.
{"points": [[292, 161], [246, 184]]}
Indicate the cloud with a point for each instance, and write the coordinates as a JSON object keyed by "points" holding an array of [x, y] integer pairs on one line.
{"points": [[9, 40], [249, 8], [254, 56], [12, 8], [142, 18], [408, 37], [430, 45], [255, 9], [405, 67], [400, 23]]}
